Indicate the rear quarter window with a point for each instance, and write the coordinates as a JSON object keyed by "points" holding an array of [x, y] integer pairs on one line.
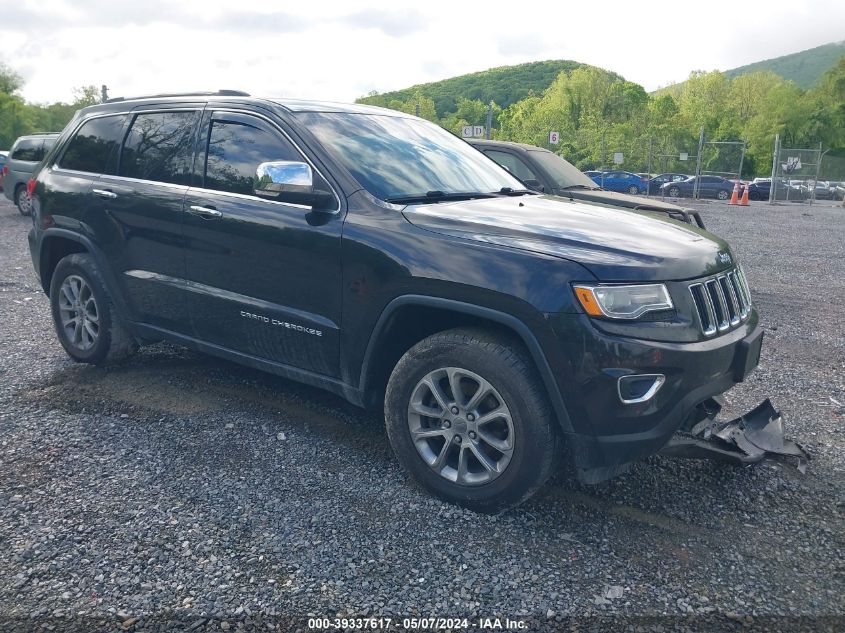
{"points": [[31, 149], [94, 146]]}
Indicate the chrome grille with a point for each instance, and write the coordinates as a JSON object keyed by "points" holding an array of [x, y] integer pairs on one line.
{"points": [[722, 302]]}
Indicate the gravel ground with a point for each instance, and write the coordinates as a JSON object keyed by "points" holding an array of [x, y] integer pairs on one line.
{"points": [[179, 490]]}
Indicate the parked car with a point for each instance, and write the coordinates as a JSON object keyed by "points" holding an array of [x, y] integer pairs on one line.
{"points": [[543, 171], [591, 173], [374, 254], [760, 188], [820, 190], [623, 181], [655, 183], [709, 187], [3, 156], [26, 153]]}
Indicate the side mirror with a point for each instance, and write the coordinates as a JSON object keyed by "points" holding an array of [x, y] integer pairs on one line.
{"points": [[534, 184], [290, 181]]}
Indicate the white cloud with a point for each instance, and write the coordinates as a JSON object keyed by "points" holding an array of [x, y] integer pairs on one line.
{"points": [[341, 50]]}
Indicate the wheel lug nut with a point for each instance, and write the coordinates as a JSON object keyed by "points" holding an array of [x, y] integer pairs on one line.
{"points": [[454, 410], [471, 417], [472, 435], [446, 424], [458, 439]]}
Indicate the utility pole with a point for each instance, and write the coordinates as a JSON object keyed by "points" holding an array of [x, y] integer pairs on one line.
{"points": [[603, 155], [818, 170], [648, 169], [773, 188], [697, 185], [741, 160], [417, 109], [104, 93], [489, 120]]}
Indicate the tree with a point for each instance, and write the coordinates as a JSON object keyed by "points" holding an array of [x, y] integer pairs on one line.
{"points": [[10, 81]]}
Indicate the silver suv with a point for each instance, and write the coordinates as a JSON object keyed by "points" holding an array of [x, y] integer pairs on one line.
{"points": [[24, 156]]}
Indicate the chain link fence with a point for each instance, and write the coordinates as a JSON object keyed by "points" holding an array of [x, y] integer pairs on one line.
{"points": [[801, 174]]}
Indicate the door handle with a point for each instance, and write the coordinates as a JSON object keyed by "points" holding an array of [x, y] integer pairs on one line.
{"points": [[205, 212], [105, 193]]}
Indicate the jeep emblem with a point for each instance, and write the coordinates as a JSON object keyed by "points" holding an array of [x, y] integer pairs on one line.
{"points": [[724, 258]]}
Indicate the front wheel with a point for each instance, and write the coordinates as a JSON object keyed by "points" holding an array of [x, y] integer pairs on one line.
{"points": [[723, 195], [22, 201], [674, 192], [467, 417], [633, 189]]}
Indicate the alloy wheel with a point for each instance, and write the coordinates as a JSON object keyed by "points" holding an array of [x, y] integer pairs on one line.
{"points": [[23, 202], [461, 426], [80, 317]]}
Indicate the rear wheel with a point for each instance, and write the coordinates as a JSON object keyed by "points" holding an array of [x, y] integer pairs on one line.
{"points": [[83, 313], [723, 195], [674, 192], [633, 189], [468, 419], [22, 200]]}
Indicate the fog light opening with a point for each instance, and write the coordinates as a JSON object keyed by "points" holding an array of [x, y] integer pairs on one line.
{"points": [[638, 388]]}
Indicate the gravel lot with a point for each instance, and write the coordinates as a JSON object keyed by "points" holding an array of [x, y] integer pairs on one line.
{"points": [[177, 490]]}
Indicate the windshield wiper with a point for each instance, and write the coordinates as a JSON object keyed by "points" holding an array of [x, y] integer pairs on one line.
{"points": [[439, 196], [510, 191], [579, 187]]}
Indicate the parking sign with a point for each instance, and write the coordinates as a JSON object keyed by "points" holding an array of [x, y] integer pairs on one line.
{"points": [[466, 132], [554, 138], [617, 158], [478, 131]]}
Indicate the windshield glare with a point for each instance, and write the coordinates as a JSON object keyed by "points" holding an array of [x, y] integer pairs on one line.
{"points": [[563, 173], [398, 157]]}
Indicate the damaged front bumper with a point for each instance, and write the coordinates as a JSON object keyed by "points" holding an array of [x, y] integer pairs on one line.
{"points": [[744, 440]]}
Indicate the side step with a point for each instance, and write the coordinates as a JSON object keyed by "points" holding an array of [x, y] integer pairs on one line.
{"points": [[745, 440]]}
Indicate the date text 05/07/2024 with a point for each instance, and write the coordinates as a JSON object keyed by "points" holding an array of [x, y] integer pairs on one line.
{"points": [[419, 623]]}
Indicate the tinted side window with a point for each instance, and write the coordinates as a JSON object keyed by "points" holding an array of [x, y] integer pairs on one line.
{"points": [[513, 164], [29, 149], [159, 147], [94, 147], [234, 152]]}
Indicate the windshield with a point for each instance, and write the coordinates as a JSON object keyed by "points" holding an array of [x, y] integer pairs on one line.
{"points": [[562, 172], [397, 157]]}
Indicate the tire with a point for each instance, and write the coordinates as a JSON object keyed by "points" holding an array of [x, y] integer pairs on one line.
{"points": [[633, 190], [77, 292], [723, 195], [674, 192], [22, 200], [520, 420]]}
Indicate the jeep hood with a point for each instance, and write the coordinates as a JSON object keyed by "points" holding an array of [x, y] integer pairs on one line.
{"points": [[615, 245]]}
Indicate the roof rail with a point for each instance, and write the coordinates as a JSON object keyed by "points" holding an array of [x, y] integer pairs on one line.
{"points": [[219, 93]]}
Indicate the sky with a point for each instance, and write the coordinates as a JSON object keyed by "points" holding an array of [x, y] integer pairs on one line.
{"points": [[341, 50]]}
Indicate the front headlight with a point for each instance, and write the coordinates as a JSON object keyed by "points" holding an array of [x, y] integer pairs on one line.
{"points": [[623, 302]]}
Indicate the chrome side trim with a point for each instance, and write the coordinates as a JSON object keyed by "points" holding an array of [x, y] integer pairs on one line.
{"points": [[220, 293]]}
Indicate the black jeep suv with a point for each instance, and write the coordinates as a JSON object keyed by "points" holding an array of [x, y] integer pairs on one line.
{"points": [[375, 255]]}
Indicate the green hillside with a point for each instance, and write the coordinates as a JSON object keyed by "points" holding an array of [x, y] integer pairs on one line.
{"points": [[804, 68], [504, 85]]}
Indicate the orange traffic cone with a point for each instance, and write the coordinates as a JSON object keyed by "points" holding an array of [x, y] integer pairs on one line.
{"points": [[734, 196], [744, 201]]}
